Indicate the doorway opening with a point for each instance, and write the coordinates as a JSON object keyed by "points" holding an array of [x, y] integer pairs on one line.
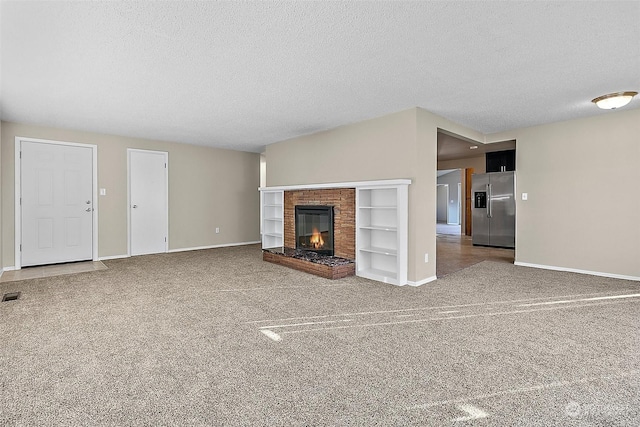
{"points": [[458, 159], [448, 206]]}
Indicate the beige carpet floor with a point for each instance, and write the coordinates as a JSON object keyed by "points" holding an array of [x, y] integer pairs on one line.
{"points": [[219, 337]]}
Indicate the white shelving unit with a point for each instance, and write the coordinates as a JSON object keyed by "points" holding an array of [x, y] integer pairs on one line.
{"points": [[272, 219], [381, 233], [382, 212]]}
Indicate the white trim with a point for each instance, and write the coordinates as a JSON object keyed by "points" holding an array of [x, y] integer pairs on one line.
{"points": [[576, 270], [128, 204], [10, 268], [17, 215], [225, 245], [354, 184], [421, 282], [17, 193], [166, 180], [446, 203], [106, 258]]}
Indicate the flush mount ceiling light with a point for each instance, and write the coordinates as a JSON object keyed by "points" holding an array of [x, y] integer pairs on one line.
{"points": [[614, 100]]}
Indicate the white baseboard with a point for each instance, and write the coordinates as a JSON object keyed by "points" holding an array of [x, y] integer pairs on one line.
{"points": [[10, 268], [105, 258], [421, 282], [197, 248], [576, 270], [226, 245]]}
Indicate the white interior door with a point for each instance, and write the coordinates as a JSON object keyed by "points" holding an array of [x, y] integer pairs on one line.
{"points": [[148, 201], [56, 190]]}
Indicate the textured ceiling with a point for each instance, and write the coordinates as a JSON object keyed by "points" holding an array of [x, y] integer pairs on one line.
{"points": [[242, 75]]}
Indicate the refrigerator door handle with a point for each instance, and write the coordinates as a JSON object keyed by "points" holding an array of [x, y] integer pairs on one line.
{"points": [[489, 200]]}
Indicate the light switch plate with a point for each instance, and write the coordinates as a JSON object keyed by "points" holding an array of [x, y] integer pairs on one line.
{"points": [[103, 191], [525, 196]]}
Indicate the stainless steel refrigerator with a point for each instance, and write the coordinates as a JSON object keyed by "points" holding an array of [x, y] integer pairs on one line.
{"points": [[494, 209]]}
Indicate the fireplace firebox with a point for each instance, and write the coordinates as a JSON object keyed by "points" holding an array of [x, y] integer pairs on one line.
{"points": [[314, 229]]}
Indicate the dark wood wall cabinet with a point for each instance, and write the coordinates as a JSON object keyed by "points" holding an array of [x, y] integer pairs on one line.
{"points": [[501, 161]]}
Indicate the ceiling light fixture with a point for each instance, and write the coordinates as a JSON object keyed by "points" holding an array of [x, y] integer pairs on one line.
{"points": [[614, 100], [473, 147]]}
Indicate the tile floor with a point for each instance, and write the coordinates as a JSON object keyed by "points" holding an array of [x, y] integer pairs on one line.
{"points": [[455, 252], [444, 228], [51, 270]]}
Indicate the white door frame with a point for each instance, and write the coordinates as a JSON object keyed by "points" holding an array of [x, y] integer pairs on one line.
{"points": [[460, 205], [18, 193], [446, 186], [166, 181]]}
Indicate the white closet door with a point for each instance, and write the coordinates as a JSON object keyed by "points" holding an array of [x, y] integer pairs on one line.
{"points": [[57, 203], [148, 201]]}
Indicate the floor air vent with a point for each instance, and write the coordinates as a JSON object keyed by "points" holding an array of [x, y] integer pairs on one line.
{"points": [[11, 296]]}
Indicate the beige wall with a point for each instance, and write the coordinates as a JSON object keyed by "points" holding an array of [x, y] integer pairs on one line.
{"points": [[581, 176], [381, 148], [399, 145], [208, 188], [582, 179]]}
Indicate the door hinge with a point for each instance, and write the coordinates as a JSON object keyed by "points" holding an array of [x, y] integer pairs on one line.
{"points": [[20, 248], [20, 154], [165, 240], [165, 165]]}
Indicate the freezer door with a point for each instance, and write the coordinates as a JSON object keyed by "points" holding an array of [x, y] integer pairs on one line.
{"points": [[503, 210], [479, 209]]}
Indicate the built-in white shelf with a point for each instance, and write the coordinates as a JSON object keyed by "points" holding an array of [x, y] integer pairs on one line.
{"points": [[383, 251], [382, 233], [379, 228], [272, 218], [379, 275]]}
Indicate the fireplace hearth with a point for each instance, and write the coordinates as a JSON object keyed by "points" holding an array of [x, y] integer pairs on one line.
{"points": [[314, 229]]}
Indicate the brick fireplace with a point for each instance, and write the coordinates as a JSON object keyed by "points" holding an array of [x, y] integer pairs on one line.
{"points": [[343, 201], [342, 263], [379, 222]]}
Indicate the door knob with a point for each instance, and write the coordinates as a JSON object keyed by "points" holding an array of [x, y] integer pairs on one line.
{"points": [[88, 202], [88, 210], [134, 206]]}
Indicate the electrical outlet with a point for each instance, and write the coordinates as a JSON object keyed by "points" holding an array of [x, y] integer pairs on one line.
{"points": [[426, 257], [217, 230]]}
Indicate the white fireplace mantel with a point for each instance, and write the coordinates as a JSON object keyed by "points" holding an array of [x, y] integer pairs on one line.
{"points": [[354, 184]]}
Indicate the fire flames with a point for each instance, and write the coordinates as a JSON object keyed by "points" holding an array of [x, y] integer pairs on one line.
{"points": [[316, 239]]}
